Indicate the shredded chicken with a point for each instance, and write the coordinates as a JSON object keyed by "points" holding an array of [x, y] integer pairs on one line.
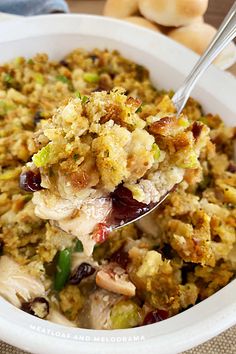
{"points": [[16, 283], [99, 309], [113, 278]]}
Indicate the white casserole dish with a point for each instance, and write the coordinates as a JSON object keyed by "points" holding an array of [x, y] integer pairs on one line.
{"points": [[168, 63]]}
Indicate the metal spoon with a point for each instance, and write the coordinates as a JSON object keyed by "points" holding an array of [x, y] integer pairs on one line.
{"points": [[223, 37]]}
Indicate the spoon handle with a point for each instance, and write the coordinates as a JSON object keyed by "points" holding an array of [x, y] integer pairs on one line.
{"points": [[224, 35]]}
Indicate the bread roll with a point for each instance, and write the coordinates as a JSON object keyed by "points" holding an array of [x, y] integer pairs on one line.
{"points": [[198, 19], [197, 37], [172, 12], [120, 8], [137, 20], [227, 57]]}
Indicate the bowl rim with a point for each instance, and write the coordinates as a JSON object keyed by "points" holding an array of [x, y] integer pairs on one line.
{"points": [[179, 332], [176, 334]]}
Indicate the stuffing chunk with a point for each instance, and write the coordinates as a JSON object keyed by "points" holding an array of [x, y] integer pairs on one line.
{"points": [[71, 301], [95, 144]]}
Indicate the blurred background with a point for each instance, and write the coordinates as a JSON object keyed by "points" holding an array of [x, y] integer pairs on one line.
{"points": [[216, 11], [192, 23]]}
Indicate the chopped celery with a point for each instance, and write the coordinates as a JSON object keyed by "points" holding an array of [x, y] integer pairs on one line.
{"points": [[204, 183], [183, 122], [171, 93], [8, 78], [78, 94], [75, 157], [189, 161], [156, 151], [84, 99], [43, 157], [3, 108], [28, 197], [91, 78], [125, 314], [30, 61], [39, 78], [63, 79], [139, 110], [136, 191], [204, 120]]}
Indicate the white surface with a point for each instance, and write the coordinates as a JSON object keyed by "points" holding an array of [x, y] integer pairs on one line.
{"points": [[168, 63], [7, 17]]}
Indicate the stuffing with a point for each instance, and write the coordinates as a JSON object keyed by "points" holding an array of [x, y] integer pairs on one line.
{"points": [[95, 134], [97, 143]]}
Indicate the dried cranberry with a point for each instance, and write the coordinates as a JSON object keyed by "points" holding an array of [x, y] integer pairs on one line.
{"points": [[64, 63], [30, 181], [124, 195], [84, 270], [124, 206], [1, 247], [37, 117], [196, 129], [120, 257], [167, 251], [38, 307], [155, 316], [232, 167], [186, 269], [100, 233], [94, 57], [112, 75]]}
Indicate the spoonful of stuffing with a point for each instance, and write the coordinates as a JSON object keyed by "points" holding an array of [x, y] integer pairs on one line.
{"points": [[102, 163]]}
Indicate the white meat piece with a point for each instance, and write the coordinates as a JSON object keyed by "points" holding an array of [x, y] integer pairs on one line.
{"points": [[49, 206], [84, 222], [16, 283], [100, 305], [92, 213], [115, 279]]}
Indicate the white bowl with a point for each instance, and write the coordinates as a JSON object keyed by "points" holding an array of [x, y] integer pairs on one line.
{"points": [[168, 63]]}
